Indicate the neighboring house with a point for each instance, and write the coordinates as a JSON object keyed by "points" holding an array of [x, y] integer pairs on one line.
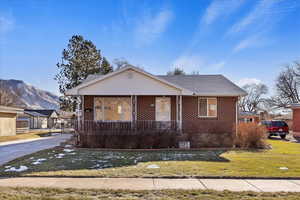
{"points": [[287, 117], [22, 123], [296, 120], [249, 117], [199, 104], [42, 118], [8, 117], [66, 119]]}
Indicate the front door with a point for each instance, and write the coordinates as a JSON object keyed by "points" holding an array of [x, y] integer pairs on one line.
{"points": [[163, 109]]}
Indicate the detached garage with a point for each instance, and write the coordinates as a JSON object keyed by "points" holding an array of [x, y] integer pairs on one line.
{"points": [[8, 117]]}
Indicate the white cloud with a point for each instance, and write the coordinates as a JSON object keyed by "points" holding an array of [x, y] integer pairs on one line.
{"points": [[251, 41], [192, 63], [6, 24], [219, 8], [217, 66], [246, 81], [189, 63], [256, 26], [150, 27], [265, 14]]}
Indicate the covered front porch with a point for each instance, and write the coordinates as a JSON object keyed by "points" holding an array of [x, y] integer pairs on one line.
{"points": [[105, 118], [130, 113]]}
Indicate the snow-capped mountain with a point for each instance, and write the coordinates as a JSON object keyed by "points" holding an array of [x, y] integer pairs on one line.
{"points": [[28, 96]]}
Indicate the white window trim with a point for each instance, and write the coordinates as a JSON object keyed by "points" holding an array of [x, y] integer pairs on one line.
{"points": [[94, 111], [207, 98]]}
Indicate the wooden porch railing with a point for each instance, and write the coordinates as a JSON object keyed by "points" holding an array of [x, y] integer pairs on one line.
{"points": [[125, 128]]}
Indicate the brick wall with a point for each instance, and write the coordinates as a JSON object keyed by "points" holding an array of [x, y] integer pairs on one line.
{"points": [[146, 108], [202, 132], [209, 132], [89, 105], [296, 120]]}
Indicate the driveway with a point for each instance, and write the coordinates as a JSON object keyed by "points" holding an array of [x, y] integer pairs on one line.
{"points": [[12, 150]]}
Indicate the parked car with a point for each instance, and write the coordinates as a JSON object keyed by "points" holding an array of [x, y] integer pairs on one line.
{"points": [[276, 128]]}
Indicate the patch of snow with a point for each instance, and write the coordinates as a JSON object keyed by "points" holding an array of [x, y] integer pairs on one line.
{"points": [[68, 150], [7, 166], [60, 155], [283, 168], [68, 146], [102, 161], [73, 153], [153, 167], [39, 161], [13, 169]]}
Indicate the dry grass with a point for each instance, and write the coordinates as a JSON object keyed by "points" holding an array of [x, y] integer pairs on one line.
{"points": [[23, 136], [235, 163], [82, 194], [251, 135]]}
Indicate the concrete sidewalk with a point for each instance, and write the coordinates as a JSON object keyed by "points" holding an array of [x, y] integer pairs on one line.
{"points": [[256, 185]]}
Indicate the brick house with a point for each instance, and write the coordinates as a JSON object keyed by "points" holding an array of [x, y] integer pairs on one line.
{"points": [[248, 117], [296, 120], [203, 105]]}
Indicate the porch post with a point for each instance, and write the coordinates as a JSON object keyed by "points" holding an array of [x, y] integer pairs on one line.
{"points": [[82, 108], [133, 107], [80, 112], [179, 111]]}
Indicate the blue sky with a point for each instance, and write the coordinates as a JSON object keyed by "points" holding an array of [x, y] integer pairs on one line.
{"points": [[246, 40]]}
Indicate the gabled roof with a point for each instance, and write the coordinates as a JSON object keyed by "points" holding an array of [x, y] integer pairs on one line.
{"points": [[95, 78], [34, 114], [202, 85], [247, 113], [41, 113]]}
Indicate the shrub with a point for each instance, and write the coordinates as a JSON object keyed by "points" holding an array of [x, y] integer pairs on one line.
{"points": [[250, 135], [143, 140]]}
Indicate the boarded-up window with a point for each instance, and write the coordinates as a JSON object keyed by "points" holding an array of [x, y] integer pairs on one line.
{"points": [[207, 107], [113, 108], [162, 108]]}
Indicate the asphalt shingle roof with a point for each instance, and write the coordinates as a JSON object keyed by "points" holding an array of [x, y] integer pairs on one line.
{"points": [[46, 113], [205, 84]]}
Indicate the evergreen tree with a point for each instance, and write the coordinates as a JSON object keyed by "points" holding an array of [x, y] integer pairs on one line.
{"points": [[106, 66], [80, 59]]}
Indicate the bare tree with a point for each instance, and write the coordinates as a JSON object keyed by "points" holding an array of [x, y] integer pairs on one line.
{"points": [[176, 71], [6, 97], [287, 87], [254, 99]]}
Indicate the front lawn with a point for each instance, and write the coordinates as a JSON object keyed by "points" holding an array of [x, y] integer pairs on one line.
{"points": [[283, 160], [79, 194]]}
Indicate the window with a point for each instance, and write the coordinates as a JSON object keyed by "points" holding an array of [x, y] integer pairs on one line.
{"points": [[207, 107], [112, 109], [162, 108]]}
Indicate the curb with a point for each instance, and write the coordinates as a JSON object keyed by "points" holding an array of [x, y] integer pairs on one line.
{"points": [[164, 177]]}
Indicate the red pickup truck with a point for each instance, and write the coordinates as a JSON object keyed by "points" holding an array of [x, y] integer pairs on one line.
{"points": [[276, 128]]}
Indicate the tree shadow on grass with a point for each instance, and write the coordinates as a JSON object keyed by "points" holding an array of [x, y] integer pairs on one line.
{"points": [[81, 159]]}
